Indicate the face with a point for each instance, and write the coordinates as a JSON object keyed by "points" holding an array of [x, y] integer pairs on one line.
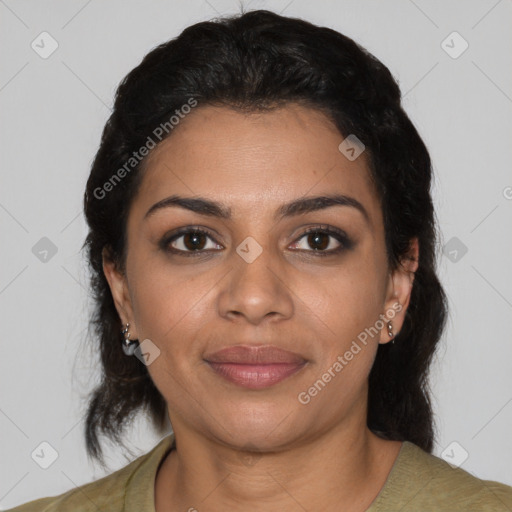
{"points": [[251, 270]]}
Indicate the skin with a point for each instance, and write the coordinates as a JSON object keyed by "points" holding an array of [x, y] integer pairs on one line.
{"points": [[315, 456]]}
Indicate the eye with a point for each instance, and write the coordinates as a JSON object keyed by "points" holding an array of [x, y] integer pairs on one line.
{"points": [[190, 240], [323, 241], [194, 241]]}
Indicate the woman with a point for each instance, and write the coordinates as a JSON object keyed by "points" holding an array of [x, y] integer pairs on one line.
{"points": [[262, 234]]}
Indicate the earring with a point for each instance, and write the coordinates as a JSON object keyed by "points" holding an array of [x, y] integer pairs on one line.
{"points": [[390, 332], [129, 346]]}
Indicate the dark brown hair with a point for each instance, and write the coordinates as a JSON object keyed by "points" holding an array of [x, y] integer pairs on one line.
{"points": [[255, 61]]}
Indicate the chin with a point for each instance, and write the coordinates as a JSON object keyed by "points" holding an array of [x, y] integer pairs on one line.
{"points": [[266, 425]]}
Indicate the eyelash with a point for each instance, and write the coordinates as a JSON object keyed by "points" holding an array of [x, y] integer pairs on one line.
{"points": [[338, 234]]}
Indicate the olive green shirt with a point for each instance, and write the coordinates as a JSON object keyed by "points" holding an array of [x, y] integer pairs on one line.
{"points": [[418, 482]]}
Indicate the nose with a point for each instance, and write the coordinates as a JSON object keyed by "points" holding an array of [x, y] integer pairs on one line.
{"points": [[256, 291]]}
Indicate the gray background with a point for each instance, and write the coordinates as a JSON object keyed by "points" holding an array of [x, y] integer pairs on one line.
{"points": [[52, 114]]}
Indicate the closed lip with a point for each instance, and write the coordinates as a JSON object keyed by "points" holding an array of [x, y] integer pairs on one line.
{"points": [[254, 355]]}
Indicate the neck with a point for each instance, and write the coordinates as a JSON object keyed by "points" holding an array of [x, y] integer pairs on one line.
{"points": [[339, 467]]}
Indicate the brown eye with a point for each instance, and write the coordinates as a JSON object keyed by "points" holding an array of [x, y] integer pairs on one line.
{"points": [[194, 241], [318, 241], [323, 241], [190, 241]]}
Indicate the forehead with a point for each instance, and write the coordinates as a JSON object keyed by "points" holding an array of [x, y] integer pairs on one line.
{"points": [[249, 160]]}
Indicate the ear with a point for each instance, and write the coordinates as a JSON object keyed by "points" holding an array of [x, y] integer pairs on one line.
{"points": [[399, 292], [119, 288]]}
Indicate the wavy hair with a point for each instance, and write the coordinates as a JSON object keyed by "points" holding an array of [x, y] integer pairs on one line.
{"points": [[255, 61]]}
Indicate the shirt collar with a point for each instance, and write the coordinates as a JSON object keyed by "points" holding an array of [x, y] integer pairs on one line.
{"points": [[140, 487]]}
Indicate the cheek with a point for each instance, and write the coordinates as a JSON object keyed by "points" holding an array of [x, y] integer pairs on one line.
{"points": [[345, 314], [348, 300], [173, 313], [169, 308]]}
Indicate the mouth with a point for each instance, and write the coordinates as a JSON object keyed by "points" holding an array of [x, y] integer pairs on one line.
{"points": [[255, 367]]}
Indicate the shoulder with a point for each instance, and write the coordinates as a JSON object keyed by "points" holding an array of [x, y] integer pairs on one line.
{"points": [[422, 481], [89, 497], [107, 493]]}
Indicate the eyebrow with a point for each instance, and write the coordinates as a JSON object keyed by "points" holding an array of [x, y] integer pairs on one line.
{"points": [[300, 206]]}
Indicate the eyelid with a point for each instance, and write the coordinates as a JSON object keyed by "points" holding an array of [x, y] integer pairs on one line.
{"points": [[324, 228]]}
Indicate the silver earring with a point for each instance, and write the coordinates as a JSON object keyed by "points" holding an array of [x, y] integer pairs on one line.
{"points": [[129, 346], [390, 332]]}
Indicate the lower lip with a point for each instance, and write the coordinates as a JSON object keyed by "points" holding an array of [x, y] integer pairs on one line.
{"points": [[255, 376]]}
